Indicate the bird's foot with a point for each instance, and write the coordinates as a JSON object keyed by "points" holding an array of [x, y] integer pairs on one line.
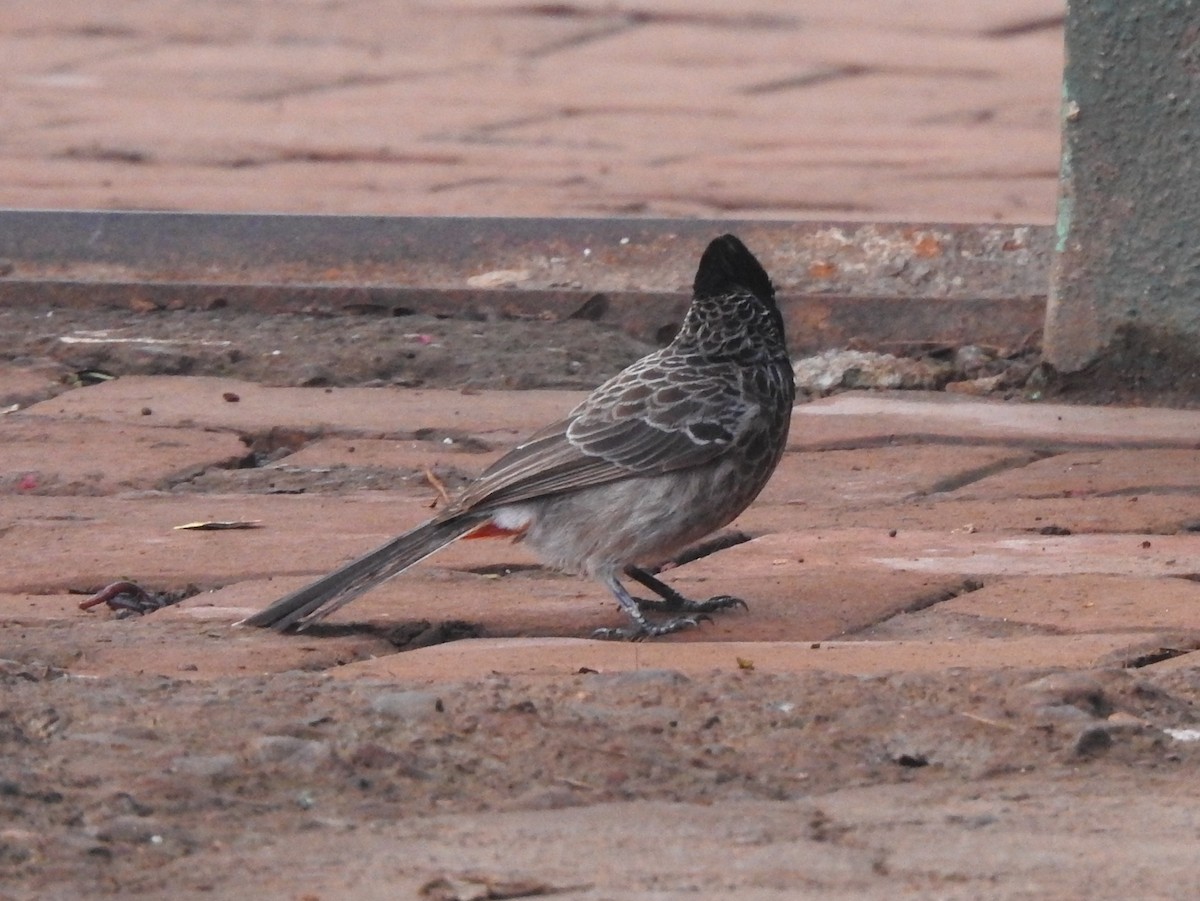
{"points": [[643, 629], [679, 604], [674, 602], [684, 613]]}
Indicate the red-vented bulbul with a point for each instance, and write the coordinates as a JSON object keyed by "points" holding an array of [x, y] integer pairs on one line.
{"points": [[660, 455]]}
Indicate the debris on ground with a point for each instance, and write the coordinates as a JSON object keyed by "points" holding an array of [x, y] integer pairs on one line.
{"points": [[130, 599]]}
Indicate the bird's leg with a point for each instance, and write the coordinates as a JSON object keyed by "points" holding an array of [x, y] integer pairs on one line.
{"points": [[641, 627], [673, 602]]}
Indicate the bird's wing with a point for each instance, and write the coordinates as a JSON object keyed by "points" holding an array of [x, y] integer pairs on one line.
{"points": [[662, 414]]}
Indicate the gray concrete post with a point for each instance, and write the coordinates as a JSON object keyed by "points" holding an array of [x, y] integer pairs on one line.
{"points": [[1128, 262]]}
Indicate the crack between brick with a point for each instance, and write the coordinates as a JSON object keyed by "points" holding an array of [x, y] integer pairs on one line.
{"points": [[978, 473], [578, 40], [1136, 490], [966, 586], [857, 70], [1038, 444], [1029, 26]]}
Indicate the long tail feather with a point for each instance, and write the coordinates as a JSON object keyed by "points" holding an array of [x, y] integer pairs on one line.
{"points": [[317, 600]]}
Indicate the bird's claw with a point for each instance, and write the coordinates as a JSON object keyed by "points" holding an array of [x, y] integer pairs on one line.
{"points": [[685, 605], [642, 631]]}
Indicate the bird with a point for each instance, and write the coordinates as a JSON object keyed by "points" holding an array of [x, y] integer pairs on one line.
{"points": [[670, 449]]}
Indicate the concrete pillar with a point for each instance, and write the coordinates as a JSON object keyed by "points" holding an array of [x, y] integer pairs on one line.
{"points": [[1128, 262]]}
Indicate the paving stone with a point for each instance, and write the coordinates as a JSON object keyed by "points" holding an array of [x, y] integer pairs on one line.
{"points": [[471, 581], [826, 563], [31, 609], [849, 578], [984, 554], [84, 543], [22, 386], [847, 420], [797, 606], [878, 476], [1121, 473], [203, 402], [133, 538], [858, 418], [392, 454], [40, 455], [784, 506], [1084, 603], [181, 647], [795, 595], [1149, 515], [521, 603], [478, 658], [751, 110]]}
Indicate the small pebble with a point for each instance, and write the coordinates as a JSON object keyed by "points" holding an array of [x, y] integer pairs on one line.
{"points": [[302, 753], [1092, 741], [204, 764], [131, 829], [643, 677], [406, 705], [1058, 692]]}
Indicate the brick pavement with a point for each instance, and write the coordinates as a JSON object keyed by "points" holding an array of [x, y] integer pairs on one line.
{"points": [[901, 532], [859, 110], [826, 108]]}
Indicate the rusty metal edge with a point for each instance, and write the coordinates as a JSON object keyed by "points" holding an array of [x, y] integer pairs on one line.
{"points": [[814, 322], [631, 273]]}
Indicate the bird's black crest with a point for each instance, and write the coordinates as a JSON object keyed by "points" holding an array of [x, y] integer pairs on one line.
{"points": [[727, 267]]}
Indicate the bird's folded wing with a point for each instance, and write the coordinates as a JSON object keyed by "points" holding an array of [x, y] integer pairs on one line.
{"points": [[660, 418], [676, 413], [551, 462]]}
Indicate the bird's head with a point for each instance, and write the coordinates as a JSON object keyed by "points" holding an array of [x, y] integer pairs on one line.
{"points": [[733, 307]]}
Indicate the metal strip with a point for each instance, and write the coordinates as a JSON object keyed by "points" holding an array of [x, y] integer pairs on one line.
{"points": [[838, 282]]}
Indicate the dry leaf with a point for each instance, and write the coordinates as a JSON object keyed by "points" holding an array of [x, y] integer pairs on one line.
{"points": [[214, 525]]}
